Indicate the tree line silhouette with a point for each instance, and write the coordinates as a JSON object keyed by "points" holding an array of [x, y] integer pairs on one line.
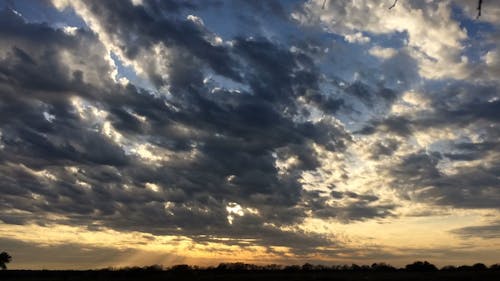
{"points": [[418, 266], [416, 271]]}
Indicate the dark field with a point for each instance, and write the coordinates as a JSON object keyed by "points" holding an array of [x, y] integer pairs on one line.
{"points": [[20, 275]]}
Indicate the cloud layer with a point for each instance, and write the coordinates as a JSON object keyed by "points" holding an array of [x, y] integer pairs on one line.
{"points": [[154, 117]]}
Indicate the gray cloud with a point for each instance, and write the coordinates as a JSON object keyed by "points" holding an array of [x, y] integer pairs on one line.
{"points": [[420, 175], [91, 180], [353, 207], [471, 187], [490, 231]]}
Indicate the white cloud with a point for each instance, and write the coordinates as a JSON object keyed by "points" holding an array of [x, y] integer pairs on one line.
{"points": [[196, 20], [70, 30], [382, 53], [357, 37], [434, 37]]}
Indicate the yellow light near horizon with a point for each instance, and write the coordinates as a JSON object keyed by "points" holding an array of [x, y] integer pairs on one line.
{"points": [[148, 249]]}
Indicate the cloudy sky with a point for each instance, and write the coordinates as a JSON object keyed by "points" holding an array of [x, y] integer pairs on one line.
{"points": [[141, 132]]}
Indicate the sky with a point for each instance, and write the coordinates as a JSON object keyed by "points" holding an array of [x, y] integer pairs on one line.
{"points": [[165, 132]]}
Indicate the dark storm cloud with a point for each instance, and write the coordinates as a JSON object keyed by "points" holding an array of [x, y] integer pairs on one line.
{"points": [[454, 107], [490, 231], [329, 105], [451, 106], [357, 211], [394, 124], [385, 147], [464, 114], [299, 242], [122, 18], [353, 207], [472, 151], [463, 103], [401, 68], [471, 187], [54, 161]]}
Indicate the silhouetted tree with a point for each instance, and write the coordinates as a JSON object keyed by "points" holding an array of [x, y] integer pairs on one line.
{"points": [[273, 267], [382, 267], [421, 266], [495, 266], [181, 267], [344, 267], [292, 268], [449, 268], [5, 258], [307, 267], [355, 267], [237, 266], [464, 268], [154, 267], [320, 267], [479, 266], [365, 267]]}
